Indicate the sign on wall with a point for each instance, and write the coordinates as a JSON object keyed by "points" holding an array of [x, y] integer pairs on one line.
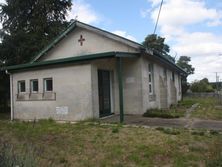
{"points": [[63, 110]]}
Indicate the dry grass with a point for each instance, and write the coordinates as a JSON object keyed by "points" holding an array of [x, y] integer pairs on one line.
{"points": [[207, 109], [89, 144]]}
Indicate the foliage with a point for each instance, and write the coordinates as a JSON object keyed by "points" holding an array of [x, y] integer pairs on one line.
{"points": [[162, 113], [183, 62], [153, 41], [4, 92], [28, 26], [201, 86], [156, 43]]}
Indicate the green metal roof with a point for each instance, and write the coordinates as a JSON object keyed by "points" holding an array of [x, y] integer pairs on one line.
{"points": [[168, 62], [70, 60]]}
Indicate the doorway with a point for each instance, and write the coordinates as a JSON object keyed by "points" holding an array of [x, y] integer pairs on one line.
{"points": [[104, 93]]}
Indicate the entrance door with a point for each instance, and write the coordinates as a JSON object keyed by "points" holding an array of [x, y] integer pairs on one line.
{"points": [[104, 93]]}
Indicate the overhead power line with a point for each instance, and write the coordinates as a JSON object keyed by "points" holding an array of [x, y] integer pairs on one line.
{"points": [[157, 20]]}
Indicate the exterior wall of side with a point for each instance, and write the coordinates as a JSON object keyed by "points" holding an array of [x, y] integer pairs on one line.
{"points": [[72, 88], [76, 86]]}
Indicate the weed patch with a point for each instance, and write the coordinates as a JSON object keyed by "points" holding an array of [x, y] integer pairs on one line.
{"points": [[199, 133], [161, 113], [9, 157]]}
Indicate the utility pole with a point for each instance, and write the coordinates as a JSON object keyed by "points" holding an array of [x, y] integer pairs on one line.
{"points": [[217, 79]]}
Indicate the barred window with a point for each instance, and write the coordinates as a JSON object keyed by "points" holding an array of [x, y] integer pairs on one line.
{"points": [[34, 85], [21, 86], [151, 79]]}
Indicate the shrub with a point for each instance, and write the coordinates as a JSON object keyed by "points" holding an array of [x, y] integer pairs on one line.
{"points": [[115, 129], [200, 133], [169, 131], [214, 132], [160, 113]]}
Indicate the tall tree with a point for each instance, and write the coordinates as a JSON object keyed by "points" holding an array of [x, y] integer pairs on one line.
{"points": [[28, 25], [157, 44], [184, 63]]}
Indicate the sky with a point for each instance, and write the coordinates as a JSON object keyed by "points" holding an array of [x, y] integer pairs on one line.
{"points": [[190, 27]]}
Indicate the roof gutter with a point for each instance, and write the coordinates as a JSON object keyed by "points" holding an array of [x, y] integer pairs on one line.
{"points": [[166, 61], [70, 60]]}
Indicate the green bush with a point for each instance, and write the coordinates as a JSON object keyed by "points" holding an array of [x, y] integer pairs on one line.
{"points": [[200, 133], [160, 113], [201, 86], [169, 131], [115, 129]]}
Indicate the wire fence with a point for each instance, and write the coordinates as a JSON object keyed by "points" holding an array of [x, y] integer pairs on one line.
{"points": [[217, 95]]}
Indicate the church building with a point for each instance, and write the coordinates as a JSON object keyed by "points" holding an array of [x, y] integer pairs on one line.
{"points": [[87, 72]]}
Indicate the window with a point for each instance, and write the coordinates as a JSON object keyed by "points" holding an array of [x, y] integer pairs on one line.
{"points": [[21, 86], [48, 85], [173, 76], [179, 83], [151, 78], [34, 85], [165, 73]]}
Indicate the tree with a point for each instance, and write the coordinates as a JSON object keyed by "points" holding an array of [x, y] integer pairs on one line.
{"points": [[155, 42], [183, 62], [157, 45], [28, 25], [201, 86]]}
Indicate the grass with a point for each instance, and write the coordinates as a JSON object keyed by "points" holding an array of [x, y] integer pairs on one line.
{"points": [[207, 109], [88, 144]]}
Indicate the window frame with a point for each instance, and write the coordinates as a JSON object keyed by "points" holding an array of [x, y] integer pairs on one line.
{"points": [[44, 84], [165, 73], [151, 79], [173, 76], [19, 86], [180, 83], [31, 85]]}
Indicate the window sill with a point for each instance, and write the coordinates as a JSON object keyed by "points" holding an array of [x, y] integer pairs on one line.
{"points": [[47, 96]]}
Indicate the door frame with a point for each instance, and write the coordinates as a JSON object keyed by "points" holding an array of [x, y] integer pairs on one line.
{"points": [[110, 93]]}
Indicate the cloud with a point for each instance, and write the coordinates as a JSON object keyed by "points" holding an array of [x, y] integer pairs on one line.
{"points": [[154, 2], [2, 1], [84, 12], [124, 34], [203, 47]]}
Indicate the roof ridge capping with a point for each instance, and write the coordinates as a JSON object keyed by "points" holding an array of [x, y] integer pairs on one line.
{"points": [[73, 25]]}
